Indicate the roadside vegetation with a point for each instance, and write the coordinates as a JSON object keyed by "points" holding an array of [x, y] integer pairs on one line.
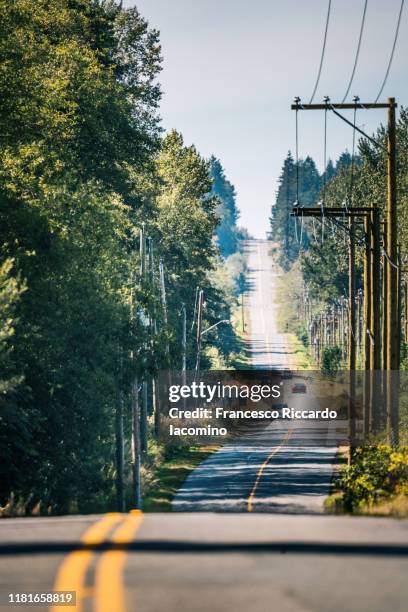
{"points": [[375, 483], [108, 229], [314, 290], [169, 472]]}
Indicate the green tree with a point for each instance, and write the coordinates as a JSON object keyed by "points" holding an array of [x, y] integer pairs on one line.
{"points": [[78, 113], [227, 232]]}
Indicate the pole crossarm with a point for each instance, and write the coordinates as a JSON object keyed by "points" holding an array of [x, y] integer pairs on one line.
{"points": [[347, 106], [331, 212], [351, 106]]}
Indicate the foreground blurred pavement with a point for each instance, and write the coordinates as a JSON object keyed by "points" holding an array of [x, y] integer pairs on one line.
{"points": [[217, 562]]}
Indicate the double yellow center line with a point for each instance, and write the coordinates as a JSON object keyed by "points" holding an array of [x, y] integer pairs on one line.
{"points": [[108, 593], [250, 503]]}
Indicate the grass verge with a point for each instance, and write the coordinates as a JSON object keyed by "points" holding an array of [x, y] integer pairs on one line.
{"points": [[165, 478]]}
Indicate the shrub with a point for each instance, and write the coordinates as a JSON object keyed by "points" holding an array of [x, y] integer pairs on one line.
{"points": [[331, 360], [376, 473]]}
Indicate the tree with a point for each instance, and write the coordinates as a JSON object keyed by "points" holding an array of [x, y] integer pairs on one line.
{"points": [[302, 183], [227, 232], [78, 113]]}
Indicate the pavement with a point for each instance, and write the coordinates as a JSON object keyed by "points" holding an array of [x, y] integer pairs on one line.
{"points": [[209, 562], [259, 542], [286, 466], [269, 347]]}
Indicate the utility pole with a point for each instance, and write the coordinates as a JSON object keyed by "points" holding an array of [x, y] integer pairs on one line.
{"points": [[399, 302], [392, 284], [384, 321], [165, 319], [358, 315], [367, 324], [375, 358], [351, 214], [199, 329], [405, 309], [135, 408], [120, 455], [142, 247], [153, 333], [184, 339], [163, 300], [143, 411], [184, 349], [136, 446], [242, 312], [119, 436], [391, 350], [352, 332]]}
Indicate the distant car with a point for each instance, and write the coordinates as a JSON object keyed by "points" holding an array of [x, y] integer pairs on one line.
{"points": [[299, 388], [279, 406], [287, 374]]}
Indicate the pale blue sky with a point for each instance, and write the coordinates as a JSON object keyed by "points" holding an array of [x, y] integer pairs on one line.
{"points": [[232, 68]]}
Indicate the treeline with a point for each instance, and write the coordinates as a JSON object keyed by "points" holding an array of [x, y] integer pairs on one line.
{"points": [[86, 176], [300, 185]]}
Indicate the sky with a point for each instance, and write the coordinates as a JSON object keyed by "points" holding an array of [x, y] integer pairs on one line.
{"points": [[231, 69]]}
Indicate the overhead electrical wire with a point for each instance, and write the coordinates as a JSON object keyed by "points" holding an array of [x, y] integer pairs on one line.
{"points": [[323, 52], [357, 52], [387, 72]]}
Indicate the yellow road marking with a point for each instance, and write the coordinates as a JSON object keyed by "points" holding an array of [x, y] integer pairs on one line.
{"points": [[71, 574], [109, 588], [263, 466]]}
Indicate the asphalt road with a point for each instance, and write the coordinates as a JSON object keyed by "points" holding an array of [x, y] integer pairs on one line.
{"points": [[286, 466], [270, 349], [210, 562], [279, 553]]}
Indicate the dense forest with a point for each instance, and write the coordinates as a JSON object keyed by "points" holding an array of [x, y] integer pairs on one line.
{"points": [[108, 227]]}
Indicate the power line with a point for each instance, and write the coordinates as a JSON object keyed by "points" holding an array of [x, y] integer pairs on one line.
{"points": [[357, 52], [392, 52], [323, 51]]}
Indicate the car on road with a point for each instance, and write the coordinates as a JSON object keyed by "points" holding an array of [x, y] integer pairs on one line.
{"points": [[299, 388]]}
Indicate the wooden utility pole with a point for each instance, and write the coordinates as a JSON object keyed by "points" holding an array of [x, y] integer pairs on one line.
{"points": [[359, 304], [143, 410], [142, 248], [384, 335], [242, 312], [367, 324], [351, 214], [136, 446], [352, 331], [399, 302], [153, 333], [143, 420], [392, 284], [405, 310], [199, 329], [120, 441], [184, 349], [120, 455], [375, 358], [164, 301], [165, 320], [391, 337]]}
